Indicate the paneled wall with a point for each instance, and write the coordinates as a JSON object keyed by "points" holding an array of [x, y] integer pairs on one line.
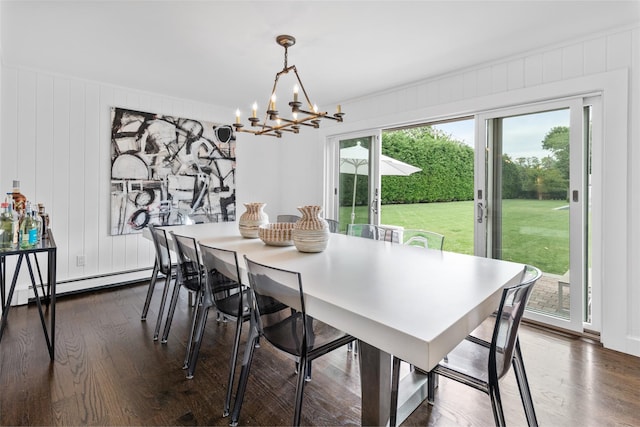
{"points": [[56, 141]]}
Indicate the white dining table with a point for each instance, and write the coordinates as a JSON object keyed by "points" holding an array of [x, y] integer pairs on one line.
{"points": [[411, 302]]}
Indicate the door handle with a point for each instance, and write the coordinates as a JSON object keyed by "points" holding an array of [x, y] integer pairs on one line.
{"points": [[480, 213], [374, 202]]}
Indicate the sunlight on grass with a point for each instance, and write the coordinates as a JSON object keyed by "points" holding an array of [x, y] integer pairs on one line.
{"points": [[534, 231]]}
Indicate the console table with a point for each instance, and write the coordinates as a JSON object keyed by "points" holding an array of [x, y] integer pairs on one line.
{"points": [[46, 294]]}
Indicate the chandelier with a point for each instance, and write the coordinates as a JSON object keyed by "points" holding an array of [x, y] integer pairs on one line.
{"points": [[274, 124]]}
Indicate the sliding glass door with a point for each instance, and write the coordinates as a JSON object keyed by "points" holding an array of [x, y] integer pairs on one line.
{"points": [[358, 185], [533, 200]]}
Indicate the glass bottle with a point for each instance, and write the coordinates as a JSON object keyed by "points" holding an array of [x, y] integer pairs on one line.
{"points": [[19, 200], [6, 227], [38, 222], [45, 219], [28, 230]]}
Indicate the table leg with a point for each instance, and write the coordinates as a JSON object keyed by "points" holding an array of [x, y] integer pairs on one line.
{"points": [[7, 304], [51, 281], [3, 270], [39, 304], [375, 381]]}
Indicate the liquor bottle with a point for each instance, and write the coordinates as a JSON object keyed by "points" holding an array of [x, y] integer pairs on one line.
{"points": [[19, 200], [6, 227], [28, 230], [38, 223], [45, 220]]}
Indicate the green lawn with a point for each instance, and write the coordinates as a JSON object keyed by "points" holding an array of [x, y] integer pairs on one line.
{"points": [[534, 231]]}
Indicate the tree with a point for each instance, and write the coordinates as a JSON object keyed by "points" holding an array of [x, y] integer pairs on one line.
{"points": [[557, 141]]}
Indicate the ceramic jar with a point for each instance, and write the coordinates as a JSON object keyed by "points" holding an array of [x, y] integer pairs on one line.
{"points": [[252, 219], [310, 233]]}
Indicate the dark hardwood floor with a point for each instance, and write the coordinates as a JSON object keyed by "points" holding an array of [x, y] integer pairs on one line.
{"points": [[109, 371]]}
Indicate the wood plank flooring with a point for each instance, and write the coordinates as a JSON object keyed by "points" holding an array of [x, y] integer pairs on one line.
{"points": [[108, 371]]}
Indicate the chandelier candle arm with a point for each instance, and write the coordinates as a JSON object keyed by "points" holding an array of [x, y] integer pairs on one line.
{"points": [[274, 124]]}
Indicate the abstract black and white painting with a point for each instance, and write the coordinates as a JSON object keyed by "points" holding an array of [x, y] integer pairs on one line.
{"points": [[169, 170]]}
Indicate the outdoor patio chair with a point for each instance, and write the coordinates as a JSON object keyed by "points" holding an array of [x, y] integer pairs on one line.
{"points": [[481, 364]]}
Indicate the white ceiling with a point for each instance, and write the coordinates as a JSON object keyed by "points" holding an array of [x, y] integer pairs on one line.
{"points": [[224, 52]]}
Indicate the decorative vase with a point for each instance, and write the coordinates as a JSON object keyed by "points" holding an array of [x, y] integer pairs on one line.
{"points": [[252, 219], [310, 233]]}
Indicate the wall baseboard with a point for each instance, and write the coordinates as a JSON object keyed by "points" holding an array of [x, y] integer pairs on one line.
{"points": [[23, 292]]}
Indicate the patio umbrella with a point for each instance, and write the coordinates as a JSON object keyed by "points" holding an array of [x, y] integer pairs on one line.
{"points": [[354, 160]]}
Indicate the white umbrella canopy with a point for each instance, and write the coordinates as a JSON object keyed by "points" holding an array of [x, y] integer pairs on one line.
{"points": [[354, 160]]}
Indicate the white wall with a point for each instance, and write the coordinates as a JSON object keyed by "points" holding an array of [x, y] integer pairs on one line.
{"points": [[55, 139]]}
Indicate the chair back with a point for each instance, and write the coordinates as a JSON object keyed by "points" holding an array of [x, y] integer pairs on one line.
{"points": [[161, 244], [223, 273], [388, 234], [189, 270], [505, 332], [368, 231], [423, 238], [287, 218], [278, 298], [334, 226]]}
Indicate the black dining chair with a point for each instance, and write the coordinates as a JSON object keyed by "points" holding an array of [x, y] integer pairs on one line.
{"points": [[163, 265], [368, 231], [334, 226], [225, 292], [287, 218], [191, 277], [279, 315], [481, 364]]}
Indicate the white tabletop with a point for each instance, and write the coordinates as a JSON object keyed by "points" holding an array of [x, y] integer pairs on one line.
{"points": [[414, 303]]}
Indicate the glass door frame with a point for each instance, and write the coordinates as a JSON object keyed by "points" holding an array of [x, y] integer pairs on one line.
{"points": [[332, 197], [487, 125]]}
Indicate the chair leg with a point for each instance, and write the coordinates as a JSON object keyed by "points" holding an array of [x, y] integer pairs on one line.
{"points": [[395, 381], [200, 305], [496, 405], [244, 375], [300, 390], [163, 301], [152, 285], [523, 386], [172, 309], [232, 366], [192, 357]]}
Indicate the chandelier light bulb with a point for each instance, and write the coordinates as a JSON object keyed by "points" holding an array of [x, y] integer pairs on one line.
{"points": [[302, 114]]}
